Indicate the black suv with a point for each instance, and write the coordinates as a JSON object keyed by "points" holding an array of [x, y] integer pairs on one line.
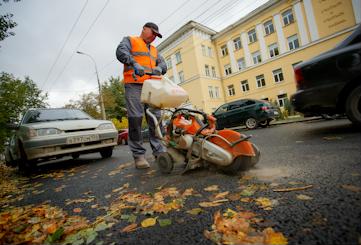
{"points": [[331, 82], [247, 112]]}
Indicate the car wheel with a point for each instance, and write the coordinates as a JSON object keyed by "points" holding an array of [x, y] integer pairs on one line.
{"points": [[25, 166], [106, 152], [9, 161], [75, 156], [165, 163], [264, 124], [353, 106], [251, 123]]}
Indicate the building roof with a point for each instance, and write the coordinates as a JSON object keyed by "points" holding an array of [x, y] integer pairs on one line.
{"points": [[185, 28]]}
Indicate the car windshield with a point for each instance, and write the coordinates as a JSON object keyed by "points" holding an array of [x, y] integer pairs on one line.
{"points": [[46, 115]]}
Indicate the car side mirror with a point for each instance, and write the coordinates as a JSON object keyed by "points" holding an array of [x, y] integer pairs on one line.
{"points": [[12, 126]]}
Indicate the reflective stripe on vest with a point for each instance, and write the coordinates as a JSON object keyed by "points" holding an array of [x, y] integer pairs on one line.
{"points": [[143, 56]]}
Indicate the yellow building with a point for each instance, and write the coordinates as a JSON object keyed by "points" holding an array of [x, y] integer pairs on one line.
{"points": [[254, 57]]}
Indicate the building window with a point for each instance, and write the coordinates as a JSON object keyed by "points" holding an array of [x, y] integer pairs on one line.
{"points": [[241, 64], [273, 50], [206, 67], [252, 36], [278, 75], [169, 63], [268, 27], [245, 86], [256, 57], [224, 50], [216, 92], [178, 57], [204, 50], [293, 42], [231, 90], [227, 70], [214, 74], [260, 81], [282, 98], [287, 17], [210, 92], [210, 52], [237, 43], [181, 76]]}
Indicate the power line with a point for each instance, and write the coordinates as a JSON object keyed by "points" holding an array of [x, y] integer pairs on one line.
{"points": [[64, 44], [220, 10], [177, 9], [206, 10], [79, 44]]}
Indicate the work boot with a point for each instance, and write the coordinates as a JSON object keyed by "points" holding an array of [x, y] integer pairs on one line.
{"points": [[141, 162]]}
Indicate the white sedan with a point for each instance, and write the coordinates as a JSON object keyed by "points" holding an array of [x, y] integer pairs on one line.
{"points": [[45, 134]]}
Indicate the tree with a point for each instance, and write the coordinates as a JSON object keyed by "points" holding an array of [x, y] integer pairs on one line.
{"points": [[16, 96], [88, 103], [6, 24], [114, 98]]}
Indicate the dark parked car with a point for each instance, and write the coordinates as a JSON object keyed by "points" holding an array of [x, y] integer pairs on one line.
{"points": [[331, 82], [247, 112]]}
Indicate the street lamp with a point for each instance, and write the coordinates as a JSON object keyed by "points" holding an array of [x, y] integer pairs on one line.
{"points": [[100, 93]]}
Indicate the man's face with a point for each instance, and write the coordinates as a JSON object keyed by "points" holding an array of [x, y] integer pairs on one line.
{"points": [[148, 35]]}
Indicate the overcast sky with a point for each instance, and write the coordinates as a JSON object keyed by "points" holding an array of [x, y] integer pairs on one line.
{"points": [[43, 27]]}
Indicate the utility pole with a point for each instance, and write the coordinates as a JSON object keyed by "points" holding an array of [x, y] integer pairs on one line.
{"points": [[101, 101]]}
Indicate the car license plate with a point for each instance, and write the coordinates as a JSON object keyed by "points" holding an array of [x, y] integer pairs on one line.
{"points": [[82, 139]]}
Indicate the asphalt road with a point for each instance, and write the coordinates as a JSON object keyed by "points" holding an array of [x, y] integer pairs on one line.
{"points": [[324, 154]]}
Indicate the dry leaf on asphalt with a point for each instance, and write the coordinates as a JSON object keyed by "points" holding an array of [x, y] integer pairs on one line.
{"points": [[221, 195], [149, 222], [195, 211], [351, 188], [77, 210], [211, 188], [164, 222], [130, 228], [125, 186], [264, 202], [234, 196], [304, 197], [246, 199], [293, 188], [212, 204], [60, 188]]}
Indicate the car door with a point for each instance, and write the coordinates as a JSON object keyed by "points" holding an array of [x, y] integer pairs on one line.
{"points": [[249, 108], [220, 114], [235, 113]]}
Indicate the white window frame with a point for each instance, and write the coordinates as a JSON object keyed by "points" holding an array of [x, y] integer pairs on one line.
{"points": [[237, 43], [281, 100], [293, 42], [207, 72], [278, 75], [252, 36], [210, 53], [169, 63], [224, 50], [245, 86], [178, 57], [256, 56], [214, 73], [216, 92], [241, 64], [181, 76], [227, 70], [287, 17], [268, 28], [273, 50], [260, 81], [231, 90], [210, 92]]}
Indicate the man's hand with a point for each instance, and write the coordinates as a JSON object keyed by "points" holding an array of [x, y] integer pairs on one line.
{"points": [[138, 69], [157, 71]]}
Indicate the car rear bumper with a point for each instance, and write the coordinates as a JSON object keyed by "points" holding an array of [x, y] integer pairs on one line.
{"points": [[57, 146]]}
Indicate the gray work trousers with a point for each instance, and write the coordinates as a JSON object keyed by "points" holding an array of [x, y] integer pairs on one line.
{"points": [[135, 110]]}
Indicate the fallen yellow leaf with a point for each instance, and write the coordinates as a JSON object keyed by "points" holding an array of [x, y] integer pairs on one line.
{"points": [[130, 228], [274, 238], [211, 188], [303, 197], [351, 188], [221, 195], [149, 222], [195, 211], [212, 204]]}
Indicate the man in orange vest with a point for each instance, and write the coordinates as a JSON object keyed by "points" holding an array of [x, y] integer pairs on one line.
{"points": [[139, 56]]}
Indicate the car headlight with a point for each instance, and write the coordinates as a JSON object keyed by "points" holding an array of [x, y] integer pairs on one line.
{"points": [[106, 126], [47, 131]]}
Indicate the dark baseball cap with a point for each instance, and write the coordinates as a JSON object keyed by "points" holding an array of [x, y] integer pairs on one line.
{"points": [[154, 28]]}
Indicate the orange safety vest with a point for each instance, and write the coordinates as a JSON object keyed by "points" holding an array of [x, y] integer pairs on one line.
{"points": [[143, 56]]}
